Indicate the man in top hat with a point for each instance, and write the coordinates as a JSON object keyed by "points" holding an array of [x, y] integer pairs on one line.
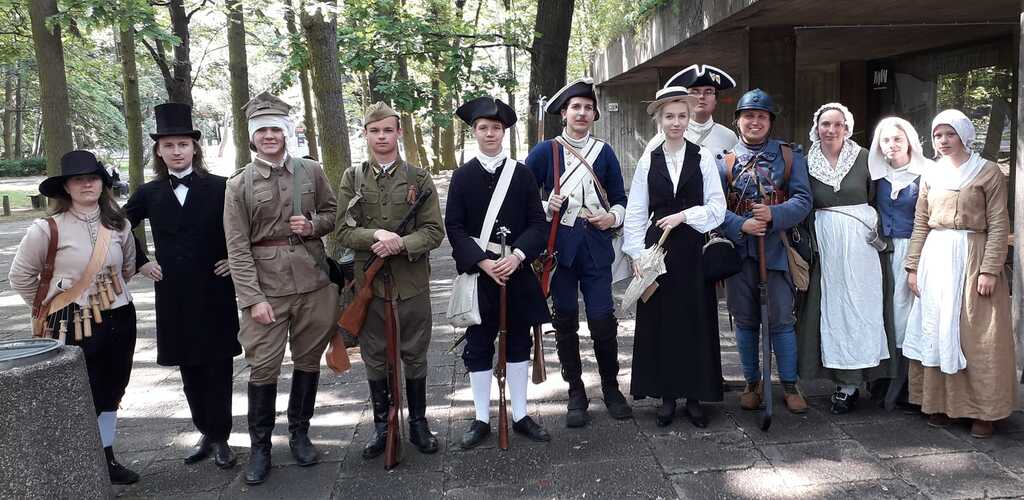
{"points": [[377, 195], [591, 207], [521, 217], [705, 82], [752, 173], [276, 211], [196, 313]]}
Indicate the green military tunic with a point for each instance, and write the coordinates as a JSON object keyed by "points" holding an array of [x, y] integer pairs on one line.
{"points": [[380, 201]]}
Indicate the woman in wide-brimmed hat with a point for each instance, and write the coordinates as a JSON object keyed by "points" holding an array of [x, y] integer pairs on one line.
{"points": [[86, 300], [676, 187]]}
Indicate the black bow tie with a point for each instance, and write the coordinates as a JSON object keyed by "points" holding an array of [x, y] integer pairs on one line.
{"points": [[183, 181]]}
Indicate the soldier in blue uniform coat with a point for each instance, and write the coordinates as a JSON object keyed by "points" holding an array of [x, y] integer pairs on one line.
{"points": [[591, 208]]}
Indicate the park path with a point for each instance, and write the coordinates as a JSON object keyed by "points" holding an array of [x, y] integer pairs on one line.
{"points": [[869, 453]]}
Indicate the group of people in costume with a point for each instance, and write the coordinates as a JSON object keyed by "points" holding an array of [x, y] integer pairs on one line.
{"points": [[903, 294]]}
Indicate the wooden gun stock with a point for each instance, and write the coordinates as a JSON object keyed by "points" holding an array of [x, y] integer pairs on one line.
{"points": [[500, 372], [353, 317], [393, 446], [540, 373]]}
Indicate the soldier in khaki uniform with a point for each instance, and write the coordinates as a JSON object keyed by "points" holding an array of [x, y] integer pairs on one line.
{"points": [[276, 209], [377, 195]]}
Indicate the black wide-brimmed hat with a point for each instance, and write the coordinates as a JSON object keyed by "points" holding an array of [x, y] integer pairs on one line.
{"points": [[487, 107], [584, 87], [697, 75], [79, 162], [174, 119]]}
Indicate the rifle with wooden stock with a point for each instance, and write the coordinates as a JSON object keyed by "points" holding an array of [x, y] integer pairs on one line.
{"points": [[547, 261], [500, 370], [393, 445], [353, 317]]}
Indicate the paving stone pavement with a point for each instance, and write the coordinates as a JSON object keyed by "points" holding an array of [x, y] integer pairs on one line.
{"points": [[869, 453]]}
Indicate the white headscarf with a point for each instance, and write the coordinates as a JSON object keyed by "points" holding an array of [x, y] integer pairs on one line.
{"points": [[879, 167], [959, 121], [817, 165]]}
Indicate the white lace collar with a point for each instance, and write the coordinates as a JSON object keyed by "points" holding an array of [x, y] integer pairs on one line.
{"points": [[819, 167]]}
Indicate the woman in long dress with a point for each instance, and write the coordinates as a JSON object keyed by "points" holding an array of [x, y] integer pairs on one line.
{"points": [[896, 161], [676, 187], [959, 335], [840, 327]]}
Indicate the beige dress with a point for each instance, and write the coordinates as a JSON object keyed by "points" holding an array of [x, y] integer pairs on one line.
{"points": [[987, 388]]}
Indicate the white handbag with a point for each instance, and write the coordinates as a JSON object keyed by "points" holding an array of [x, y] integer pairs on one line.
{"points": [[464, 303]]}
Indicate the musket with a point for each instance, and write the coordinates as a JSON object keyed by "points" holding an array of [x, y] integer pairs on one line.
{"points": [[540, 372], [393, 445], [353, 317], [766, 337], [500, 369], [547, 262]]}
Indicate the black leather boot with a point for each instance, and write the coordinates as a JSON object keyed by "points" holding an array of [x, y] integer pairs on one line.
{"points": [[379, 399], [606, 350], [119, 474], [567, 344], [261, 426], [301, 402], [419, 429]]}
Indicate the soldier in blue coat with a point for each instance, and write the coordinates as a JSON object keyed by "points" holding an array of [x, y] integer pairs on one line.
{"points": [[591, 208], [762, 201]]}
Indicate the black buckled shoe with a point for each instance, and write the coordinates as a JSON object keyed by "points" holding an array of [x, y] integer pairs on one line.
{"points": [[119, 474], [695, 412], [200, 452], [843, 403], [379, 399], [475, 434], [532, 430], [419, 429], [223, 455], [262, 399], [666, 412], [301, 403]]}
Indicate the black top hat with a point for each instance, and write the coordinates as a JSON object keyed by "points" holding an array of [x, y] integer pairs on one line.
{"points": [[74, 163], [174, 118], [697, 75], [487, 107], [584, 87]]}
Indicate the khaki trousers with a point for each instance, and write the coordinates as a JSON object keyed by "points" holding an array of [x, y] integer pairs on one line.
{"points": [[303, 321], [414, 323]]}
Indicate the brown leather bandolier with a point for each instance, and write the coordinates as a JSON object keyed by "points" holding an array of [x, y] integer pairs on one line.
{"points": [[38, 309], [739, 205]]}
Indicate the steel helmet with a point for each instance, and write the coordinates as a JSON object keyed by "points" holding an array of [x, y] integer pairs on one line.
{"points": [[756, 99]]}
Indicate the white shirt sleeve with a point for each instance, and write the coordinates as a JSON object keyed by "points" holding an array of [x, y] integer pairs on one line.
{"points": [[636, 218], [711, 214]]}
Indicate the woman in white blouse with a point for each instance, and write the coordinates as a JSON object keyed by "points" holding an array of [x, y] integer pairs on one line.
{"points": [[676, 187]]}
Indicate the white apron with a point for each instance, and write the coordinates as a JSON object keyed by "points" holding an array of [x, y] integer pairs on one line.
{"points": [[902, 298], [933, 329], [852, 328]]}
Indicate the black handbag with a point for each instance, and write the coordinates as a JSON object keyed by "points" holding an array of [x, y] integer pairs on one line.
{"points": [[721, 260]]}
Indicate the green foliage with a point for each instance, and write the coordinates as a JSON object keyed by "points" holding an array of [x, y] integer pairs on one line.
{"points": [[23, 167], [597, 22]]}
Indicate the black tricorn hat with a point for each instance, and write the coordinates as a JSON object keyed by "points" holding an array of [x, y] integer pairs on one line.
{"points": [[697, 75], [78, 162], [487, 107], [174, 118], [584, 87]]}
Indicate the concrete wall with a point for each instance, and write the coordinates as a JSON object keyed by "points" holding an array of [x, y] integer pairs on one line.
{"points": [[629, 128]]}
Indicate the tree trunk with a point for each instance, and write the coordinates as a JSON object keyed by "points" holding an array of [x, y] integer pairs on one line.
{"points": [[549, 59], [132, 115], [53, 86], [37, 140], [510, 91], [412, 154], [238, 68], [308, 120], [177, 74], [19, 114], [322, 41], [421, 149], [435, 129], [8, 116]]}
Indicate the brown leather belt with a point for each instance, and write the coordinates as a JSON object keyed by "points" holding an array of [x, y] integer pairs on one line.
{"points": [[289, 241]]}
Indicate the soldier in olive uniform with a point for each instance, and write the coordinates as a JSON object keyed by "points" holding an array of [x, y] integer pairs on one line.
{"points": [[276, 209], [376, 196]]}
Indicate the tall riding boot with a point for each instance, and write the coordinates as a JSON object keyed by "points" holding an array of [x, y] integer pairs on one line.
{"points": [[301, 402], [419, 430], [606, 350], [567, 343], [261, 426], [380, 400]]}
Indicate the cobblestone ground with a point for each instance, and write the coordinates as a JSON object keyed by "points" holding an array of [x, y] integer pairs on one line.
{"points": [[869, 453]]}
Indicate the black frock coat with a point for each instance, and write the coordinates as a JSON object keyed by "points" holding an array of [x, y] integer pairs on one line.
{"points": [[522, 213], [196, 312], [676, 351]]}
